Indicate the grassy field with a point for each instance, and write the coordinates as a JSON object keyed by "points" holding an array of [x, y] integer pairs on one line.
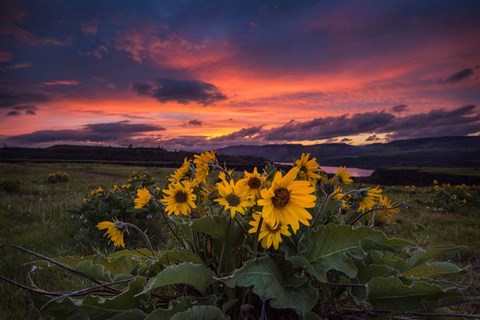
{"points": [[39, 216]]}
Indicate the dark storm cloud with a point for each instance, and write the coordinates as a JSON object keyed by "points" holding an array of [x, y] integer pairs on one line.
{"points": [[372, 138], [10, 99], [400, 108], [460, 75], [13, 114], [459, 121], [240, 134], [181, 91], [330, 127], [122, 127], [99, 132], [194, 122]]}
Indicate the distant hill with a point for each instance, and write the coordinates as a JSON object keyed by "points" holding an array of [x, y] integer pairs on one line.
{"points": [[425, 152], [126, 156]]}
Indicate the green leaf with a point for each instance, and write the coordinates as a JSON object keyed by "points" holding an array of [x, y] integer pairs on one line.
{"points": [[196, 275], [174, 256], [216, 226], [274, 281], [332, 247], [393, 294], [434, 269], [179, 305], [201, 313], [126, 304]]}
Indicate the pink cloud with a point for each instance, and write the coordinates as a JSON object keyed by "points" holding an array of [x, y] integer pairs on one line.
{"points": [[61, 83], [5, 56], [163, 47], [17, 66]]}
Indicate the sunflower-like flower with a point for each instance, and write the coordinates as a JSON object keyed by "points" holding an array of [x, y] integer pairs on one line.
{"points": [[203, 161], [115, 231], [181, 173], [285, 201], [143, 198], [234, 197], [253, 181], [368, 198], [386, 214], [436, 188], [223, 176], [309, 168], [343, 176], [268, 235], [179, 198]]}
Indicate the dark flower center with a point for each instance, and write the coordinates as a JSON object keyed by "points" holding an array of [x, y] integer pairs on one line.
{"points": [[254, 183], [233, 200], [281, 198], [180, 197]]}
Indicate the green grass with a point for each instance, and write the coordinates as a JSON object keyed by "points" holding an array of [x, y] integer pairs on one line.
{"points": [[38, 216], [474, 172]]}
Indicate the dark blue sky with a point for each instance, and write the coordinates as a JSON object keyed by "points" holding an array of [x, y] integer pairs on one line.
{"points": [[202, 74]]}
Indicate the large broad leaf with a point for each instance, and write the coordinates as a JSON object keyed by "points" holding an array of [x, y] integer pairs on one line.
{"points": [[201, 313], [125, 305], [332, 247], [216, 226], [174, 256], [179, 305], [196, 275], [117, 266], [413, 259], [274, 281], [411, 295], [431, 270]]}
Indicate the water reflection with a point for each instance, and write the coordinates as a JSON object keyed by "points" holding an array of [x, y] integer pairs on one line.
{"points": [[354, 172]]}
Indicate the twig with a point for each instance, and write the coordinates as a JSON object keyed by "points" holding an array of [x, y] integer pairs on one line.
{"points": [[61, 265], [34, 290], [374, 209], [84, 291]]}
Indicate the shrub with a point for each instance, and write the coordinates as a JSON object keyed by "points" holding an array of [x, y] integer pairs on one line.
{"points": [[273, 244], [57, 177]]}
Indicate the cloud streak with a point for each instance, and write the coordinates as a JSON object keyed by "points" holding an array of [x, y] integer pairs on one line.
{"points": [[181, 91], [114, 132]]}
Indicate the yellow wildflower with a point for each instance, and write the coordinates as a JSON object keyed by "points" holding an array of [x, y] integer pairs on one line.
{"points": [[253, 181], [343, 176], [202, 164], [269, 235], [368, 198], [179, 198], [181, 172], [309, 168], [285, 201], [234, 197], [453, 197], [142, 199], [436, 188], [435, 182], [115, 232], [385, 214]]}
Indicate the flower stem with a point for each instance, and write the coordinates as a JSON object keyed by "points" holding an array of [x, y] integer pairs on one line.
{"points": [[320, 211], [257, 234], [144, 236], [220, 263]]}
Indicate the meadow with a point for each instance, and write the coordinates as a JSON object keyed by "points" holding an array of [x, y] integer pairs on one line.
{"points": [[40, 216]]}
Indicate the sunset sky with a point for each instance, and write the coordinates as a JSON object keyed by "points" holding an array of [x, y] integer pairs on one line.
{"points": [[198, 75]]}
